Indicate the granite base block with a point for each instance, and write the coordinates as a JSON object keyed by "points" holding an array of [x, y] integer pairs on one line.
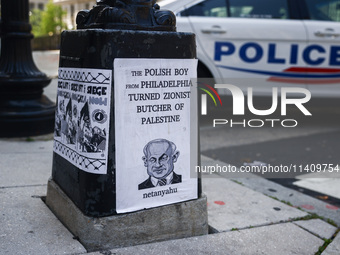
{"points": [[157, 224]]}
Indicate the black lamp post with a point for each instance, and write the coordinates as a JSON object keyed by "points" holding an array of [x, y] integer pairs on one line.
{"points": [[24, 110]]}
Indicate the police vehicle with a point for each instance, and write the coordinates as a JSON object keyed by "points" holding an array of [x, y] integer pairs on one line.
{"points": [[265, 43]]}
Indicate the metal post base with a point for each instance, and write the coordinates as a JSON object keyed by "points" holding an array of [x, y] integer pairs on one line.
{"points": [[20, 118], [24, 110]]}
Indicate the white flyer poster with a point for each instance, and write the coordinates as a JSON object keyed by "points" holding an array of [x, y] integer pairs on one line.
{"points": [[82, 117], [154, 148]]}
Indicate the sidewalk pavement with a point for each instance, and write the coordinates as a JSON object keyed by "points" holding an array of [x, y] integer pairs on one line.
{"points": [[241, 220], [245, 215], [47, 62]]}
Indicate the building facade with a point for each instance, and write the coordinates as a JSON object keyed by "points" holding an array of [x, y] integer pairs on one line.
{"points": [[37, 4], [72, 7]]}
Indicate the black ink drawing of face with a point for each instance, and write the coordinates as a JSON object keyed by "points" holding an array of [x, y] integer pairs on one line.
{"points": [[160, 159]]}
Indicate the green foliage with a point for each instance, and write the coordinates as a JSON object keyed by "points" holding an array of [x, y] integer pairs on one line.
{"points": [[49, 21], [35, 20], [323, 247]]}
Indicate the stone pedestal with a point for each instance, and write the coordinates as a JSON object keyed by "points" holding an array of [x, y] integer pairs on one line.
{"points": [[158, 224], [87, 201], [95, 194]]}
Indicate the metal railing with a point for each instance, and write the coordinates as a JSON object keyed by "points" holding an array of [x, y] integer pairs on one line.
{"points": [[46, 42]]}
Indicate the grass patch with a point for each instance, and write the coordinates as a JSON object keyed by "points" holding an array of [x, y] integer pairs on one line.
{"points": [[323, 247], [237, 182]]}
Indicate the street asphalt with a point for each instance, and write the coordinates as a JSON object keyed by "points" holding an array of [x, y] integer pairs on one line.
{"points": [[246, 214]]}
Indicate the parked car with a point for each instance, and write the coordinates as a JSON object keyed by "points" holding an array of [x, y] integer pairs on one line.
{"points": [[265, 43]]}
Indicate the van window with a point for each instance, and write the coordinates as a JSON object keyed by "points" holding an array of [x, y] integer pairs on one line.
{"points": [[260, 9], [324, 9], [209, 8]]}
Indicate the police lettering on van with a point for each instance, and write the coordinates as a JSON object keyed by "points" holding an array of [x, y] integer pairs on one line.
{"points": [[313, 55], [228, 48]]}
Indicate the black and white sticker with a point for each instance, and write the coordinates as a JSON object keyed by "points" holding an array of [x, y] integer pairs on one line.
{"points": [[82, 117], [154, 132]]}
